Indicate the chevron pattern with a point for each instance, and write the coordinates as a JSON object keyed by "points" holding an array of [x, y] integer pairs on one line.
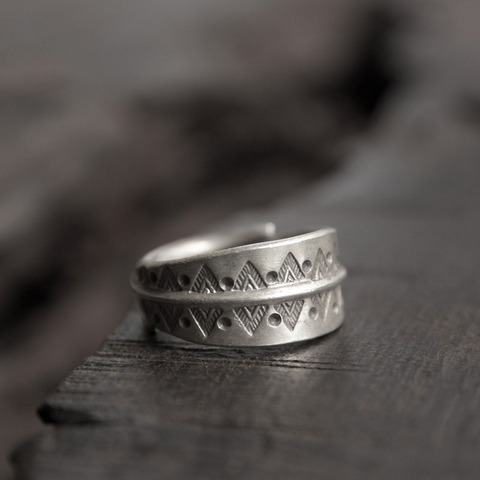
{"points": [[290, 270], [205, 318], [320, 267], [205, 282], [169, 316], [290, 312], [167, 281], [250, 317], [249, 279], [321, 302]]}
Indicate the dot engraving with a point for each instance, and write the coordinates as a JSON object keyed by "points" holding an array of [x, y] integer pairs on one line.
{"points": [[271, 277], [226, 284], [184, 280], [329, 258], [313, 313], [224, 323], [274, 320], [185, 322], [306, 265]]}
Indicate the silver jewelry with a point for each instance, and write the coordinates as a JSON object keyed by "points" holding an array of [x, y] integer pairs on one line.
{"points": [[223, 289]]}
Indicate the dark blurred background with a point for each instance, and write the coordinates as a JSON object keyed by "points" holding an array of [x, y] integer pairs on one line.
{"points": [[125, 124]]}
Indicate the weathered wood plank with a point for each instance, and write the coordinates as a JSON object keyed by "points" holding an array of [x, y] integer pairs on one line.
{"points": [[106, 128], [393, 394]]}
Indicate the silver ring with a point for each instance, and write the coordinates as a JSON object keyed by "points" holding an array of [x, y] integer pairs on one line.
{"points": [[242, 287]]}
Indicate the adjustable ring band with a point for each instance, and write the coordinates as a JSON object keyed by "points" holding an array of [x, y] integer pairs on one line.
{"points": [[228, 289]]}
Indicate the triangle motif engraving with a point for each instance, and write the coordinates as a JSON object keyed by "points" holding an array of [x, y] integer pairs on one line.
{"points": [[249, 279], [169, 316], [250, 317], [290, 270], [205, 282], [320, 267], [321, 302], [206, 318], [290, 312], [167, 281]]}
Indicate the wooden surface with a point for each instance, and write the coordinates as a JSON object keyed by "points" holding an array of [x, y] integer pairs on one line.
{"points": [[395, 393], [130, 123]]}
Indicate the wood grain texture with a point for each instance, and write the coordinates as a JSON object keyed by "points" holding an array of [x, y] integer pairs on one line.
{"points": [[393, 394]]}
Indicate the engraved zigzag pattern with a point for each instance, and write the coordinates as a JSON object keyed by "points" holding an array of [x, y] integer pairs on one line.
{"points": [[321, 302], [205, 318], [250, 317], [290, 312], [167, 281], [249, 279], [320, 267], [290, 270], [169, 316], [205, 281]]}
